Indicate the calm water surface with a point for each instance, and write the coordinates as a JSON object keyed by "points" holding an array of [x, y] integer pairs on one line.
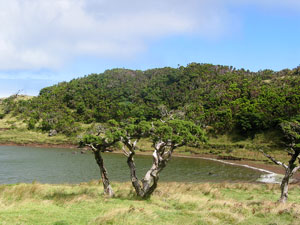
{"points": [[50, 165]]}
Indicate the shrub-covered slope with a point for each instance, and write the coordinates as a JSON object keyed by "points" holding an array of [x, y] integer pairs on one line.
{"points": [[219, 98]]}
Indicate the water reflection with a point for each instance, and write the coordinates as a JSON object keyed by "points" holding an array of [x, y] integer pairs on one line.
{"points": [[28, 164]]}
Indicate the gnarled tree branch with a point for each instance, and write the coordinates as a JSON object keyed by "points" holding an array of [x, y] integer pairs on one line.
{"points": [[273, 159], [92, 147], [295, 170]]}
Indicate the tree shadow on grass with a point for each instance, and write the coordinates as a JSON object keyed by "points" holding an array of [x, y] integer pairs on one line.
{"points": [[61, 196], [131, 196]]}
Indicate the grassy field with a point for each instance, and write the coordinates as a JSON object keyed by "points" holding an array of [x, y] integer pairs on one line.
{"points": [[14, 130], [172, 203], [23, 136]]}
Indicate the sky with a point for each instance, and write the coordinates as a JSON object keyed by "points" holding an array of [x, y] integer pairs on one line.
{"points": [[44, 42]]}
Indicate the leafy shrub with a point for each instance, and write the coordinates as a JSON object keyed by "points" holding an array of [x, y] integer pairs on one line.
{"points": [[31, 123]]}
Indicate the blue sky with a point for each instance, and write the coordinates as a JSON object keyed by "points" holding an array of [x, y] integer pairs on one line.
{"points": [[45, 42]]}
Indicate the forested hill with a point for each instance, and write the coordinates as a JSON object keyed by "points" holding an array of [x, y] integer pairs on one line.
{"points": [[220, 98]]}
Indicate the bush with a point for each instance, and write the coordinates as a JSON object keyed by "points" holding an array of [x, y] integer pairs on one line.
{"points": [[31, 124]]}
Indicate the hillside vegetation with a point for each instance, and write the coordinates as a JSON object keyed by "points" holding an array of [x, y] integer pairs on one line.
{"points": [[237, 108], [219, 97]]}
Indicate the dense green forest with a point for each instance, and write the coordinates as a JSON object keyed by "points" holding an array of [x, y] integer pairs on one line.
{"points": [[218, 98]]}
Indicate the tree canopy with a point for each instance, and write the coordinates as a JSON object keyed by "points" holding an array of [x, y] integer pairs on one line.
{"points": [[221, 97], [166, 136]]}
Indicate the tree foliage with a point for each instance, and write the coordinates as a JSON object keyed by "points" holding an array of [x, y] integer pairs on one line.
{"points": [[291, 131], [221, 97], [166, 136]]}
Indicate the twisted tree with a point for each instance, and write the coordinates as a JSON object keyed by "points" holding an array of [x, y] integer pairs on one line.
{"points": [[132, 132], [105, 138], [291, 131], [165, 136]]}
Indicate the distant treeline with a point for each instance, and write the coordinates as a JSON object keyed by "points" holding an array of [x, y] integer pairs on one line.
{"points": [[220, 98]]}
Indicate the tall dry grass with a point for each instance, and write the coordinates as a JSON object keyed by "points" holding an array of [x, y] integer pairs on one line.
{"points": [[172, 203]]}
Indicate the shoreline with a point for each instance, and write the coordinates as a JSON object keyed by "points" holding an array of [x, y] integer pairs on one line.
{"points": [[255, 165], [39, 145]]}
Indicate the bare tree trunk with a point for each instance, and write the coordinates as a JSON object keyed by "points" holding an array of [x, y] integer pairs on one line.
{"points": [[160, 159], [152, 176], [149, 183], [134, 180], [106, 184], [289, 172], [130, 162], [285, 187]]}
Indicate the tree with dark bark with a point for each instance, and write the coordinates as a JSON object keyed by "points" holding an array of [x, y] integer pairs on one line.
{"points": [[133, 131], [105, 138], [291, 131], [166, 136]]}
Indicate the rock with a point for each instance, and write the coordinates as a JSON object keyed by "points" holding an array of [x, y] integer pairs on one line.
{"points": [[52, 133]]}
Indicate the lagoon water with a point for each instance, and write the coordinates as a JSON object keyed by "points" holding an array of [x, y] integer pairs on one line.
{"points": [[53, 165]]}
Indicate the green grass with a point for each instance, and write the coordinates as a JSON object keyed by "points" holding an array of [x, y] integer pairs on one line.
{"points": [[172, 203], [234, 146], [24, 136], [14, 130]]}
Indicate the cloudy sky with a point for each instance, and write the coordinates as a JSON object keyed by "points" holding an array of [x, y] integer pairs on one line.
{"points": [[43, 42]]}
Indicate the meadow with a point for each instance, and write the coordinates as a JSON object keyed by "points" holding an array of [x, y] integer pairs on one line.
{"points": [[171, 203]]}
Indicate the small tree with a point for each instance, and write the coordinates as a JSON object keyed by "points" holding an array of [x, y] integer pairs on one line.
{"points": [[132, 133], [291, 131], [165, 137], [105, 138]]}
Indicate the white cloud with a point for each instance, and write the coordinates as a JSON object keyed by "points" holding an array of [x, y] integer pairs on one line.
{"points": [[37, 34]]}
